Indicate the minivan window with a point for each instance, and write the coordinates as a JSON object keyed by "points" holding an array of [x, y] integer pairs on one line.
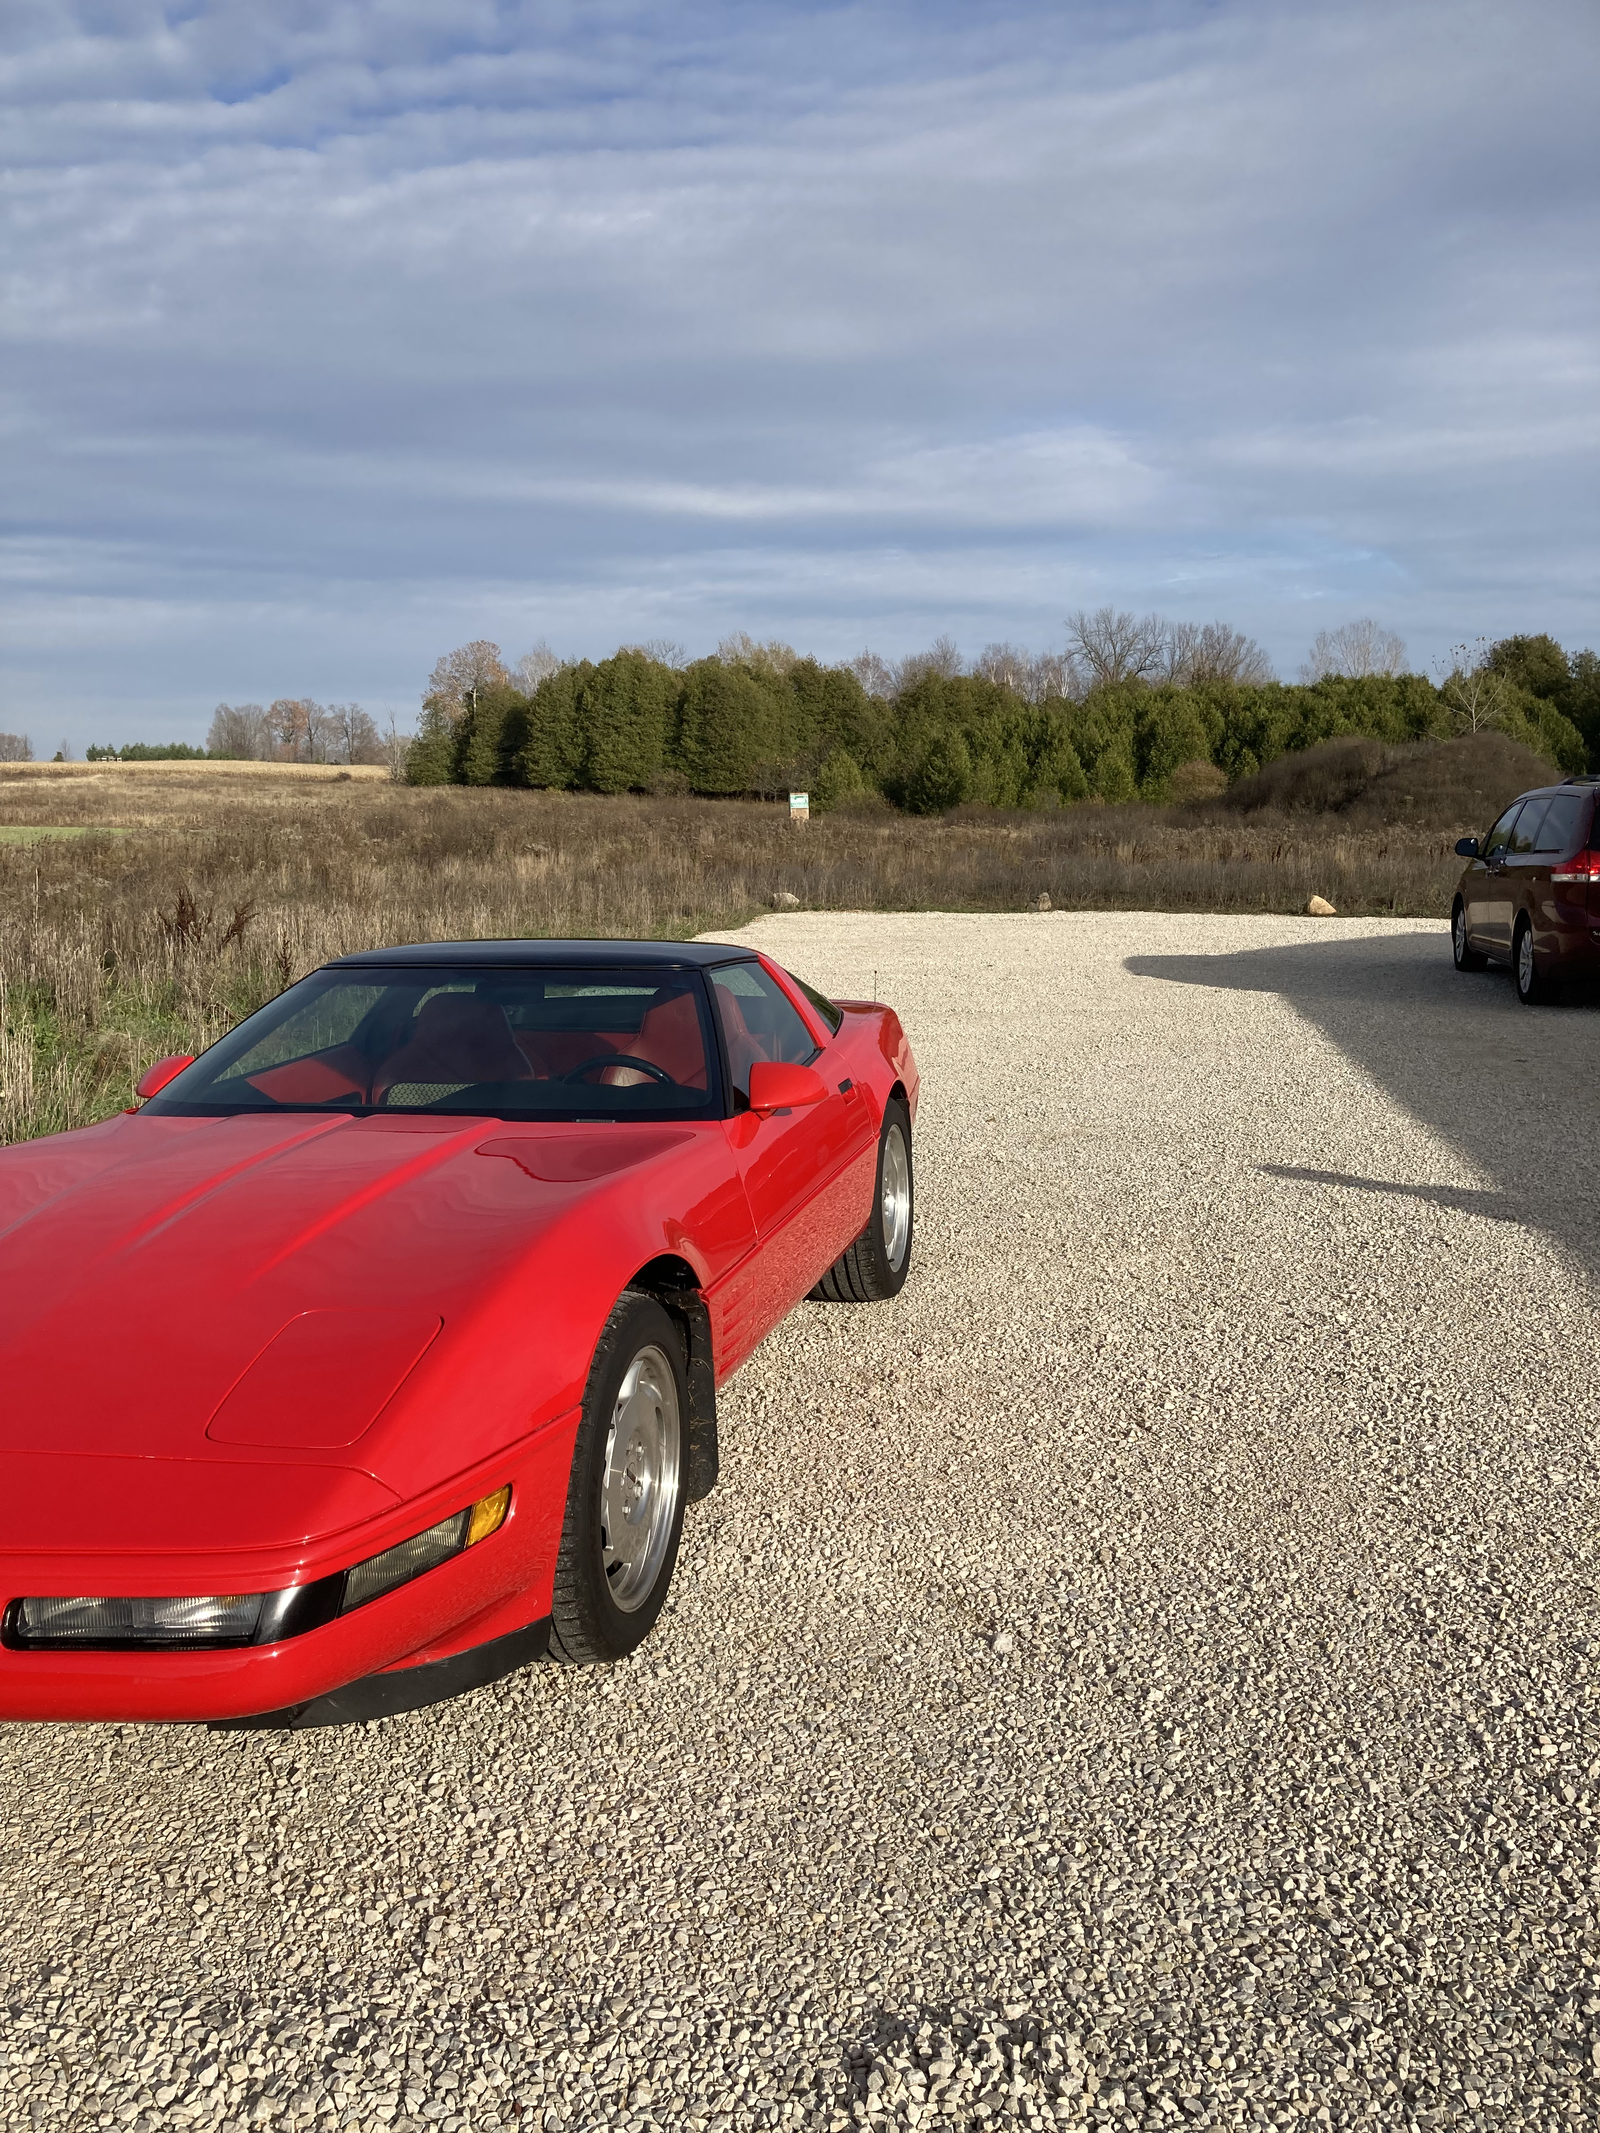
{"points": [[1500, 835], [1524, 838], [1558, 832]]}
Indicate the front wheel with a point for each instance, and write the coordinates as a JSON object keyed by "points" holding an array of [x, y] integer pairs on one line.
{"points": [[1532, 989], [876, 1265], [1467, 957], [625, 1499]]}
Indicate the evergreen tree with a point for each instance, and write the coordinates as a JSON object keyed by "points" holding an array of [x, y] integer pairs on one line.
{"points": [[430, 757], [552, 749], [490, 735], [838, 782], [725, 727], [625, 708], [1584, 707], [1536, 664], [833, 711], [943, 776]]}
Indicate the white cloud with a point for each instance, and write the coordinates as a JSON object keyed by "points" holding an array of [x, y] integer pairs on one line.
{"points": [[949, 317]]}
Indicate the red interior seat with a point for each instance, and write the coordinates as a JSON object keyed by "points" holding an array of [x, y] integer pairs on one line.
{"points": [[669, 1037], [456, 1038]]}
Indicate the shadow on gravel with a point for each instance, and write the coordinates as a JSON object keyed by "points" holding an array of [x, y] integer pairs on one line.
{"points": [[1515, 1089]]}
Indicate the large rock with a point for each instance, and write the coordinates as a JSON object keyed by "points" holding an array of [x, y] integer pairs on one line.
{"points": [[1319, 907]]}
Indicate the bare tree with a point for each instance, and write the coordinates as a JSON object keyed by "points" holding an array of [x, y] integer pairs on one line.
{"points": [[240, 732], [1113, 645], [743, 650], [15, 748], [1006, 665], [943, 657], [291, 721], [1199, 652], [875, 675], [363, 742], [1353, 650], [396, 748], [1474, 694], [344, 733], [535, 666], [1055, 674], [457, 677], [665, 651]]}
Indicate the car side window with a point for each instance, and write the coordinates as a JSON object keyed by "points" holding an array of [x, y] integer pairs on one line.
{"points": [[758, 1022], [1500, 836], [1525, 837], [1558, 832]]}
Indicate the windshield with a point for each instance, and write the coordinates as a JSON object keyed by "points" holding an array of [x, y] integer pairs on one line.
{"points": [[508, 1043]]}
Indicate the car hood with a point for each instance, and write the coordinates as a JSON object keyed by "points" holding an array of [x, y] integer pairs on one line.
{"points": [[164, 1282]]}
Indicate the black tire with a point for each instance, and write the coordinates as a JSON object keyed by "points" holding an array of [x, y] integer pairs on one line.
{"points": [[875, 1267], [1533, 990], [1467, 958], [606, 1603]]}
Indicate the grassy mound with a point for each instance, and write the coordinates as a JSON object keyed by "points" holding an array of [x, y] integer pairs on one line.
{"points": [[1461, 784]]}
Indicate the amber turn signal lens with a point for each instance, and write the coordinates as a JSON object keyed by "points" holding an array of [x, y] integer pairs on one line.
{"points": [[488, 1515]]}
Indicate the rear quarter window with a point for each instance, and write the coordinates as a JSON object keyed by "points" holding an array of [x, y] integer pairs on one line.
{"points": [[1559, 830], [830, 1014]]}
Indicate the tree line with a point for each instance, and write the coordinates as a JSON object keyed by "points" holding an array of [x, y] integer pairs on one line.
{"points": [[1134, 708], [295, 729]]}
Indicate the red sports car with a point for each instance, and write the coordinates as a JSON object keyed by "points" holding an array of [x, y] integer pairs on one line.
{"points": [[377, 1353]]}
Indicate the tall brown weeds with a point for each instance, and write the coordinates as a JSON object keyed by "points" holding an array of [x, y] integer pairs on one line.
{"points": [[114, 950]]}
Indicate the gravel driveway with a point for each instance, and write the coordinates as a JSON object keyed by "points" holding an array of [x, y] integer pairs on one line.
{"points": [[1143, 1676]]}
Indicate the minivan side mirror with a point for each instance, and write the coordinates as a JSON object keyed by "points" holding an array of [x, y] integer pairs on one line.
{"points": [[1467, 848], [155, 1078]]}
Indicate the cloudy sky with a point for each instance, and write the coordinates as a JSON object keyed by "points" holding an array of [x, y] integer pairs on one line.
{"points": [[336, 334]]}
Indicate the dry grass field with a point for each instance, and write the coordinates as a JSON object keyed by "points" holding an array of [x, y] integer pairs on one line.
{"points": [[188, 894]]}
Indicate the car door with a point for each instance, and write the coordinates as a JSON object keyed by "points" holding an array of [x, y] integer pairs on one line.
{"points": [[793, 1163], [1488, 892], [1521, 861]]}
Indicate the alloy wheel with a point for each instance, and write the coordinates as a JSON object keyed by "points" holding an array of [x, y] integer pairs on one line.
{"points": [[896, 1197], [642, 1476]]}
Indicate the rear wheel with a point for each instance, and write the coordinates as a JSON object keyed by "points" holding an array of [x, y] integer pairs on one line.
{"points": [[876, 1265], [625, 1499], [1467, 957], [1532, 988]]}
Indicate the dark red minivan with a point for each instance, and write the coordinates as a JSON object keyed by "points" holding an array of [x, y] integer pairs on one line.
{"points": [[1530, 895]]}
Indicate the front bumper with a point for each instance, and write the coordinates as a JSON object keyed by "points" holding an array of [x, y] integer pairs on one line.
{"points": [[493, 1591], [404, 1688]]}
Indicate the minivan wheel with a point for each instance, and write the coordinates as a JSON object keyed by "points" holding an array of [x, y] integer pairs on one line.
{"points": [[1532, 989], [1467, 957]]}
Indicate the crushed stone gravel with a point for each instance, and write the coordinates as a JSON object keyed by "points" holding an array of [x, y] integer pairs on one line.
{"points": [[1142, 1677]]}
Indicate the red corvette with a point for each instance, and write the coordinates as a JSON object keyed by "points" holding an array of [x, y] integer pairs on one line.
{"points": [[377, 1353]]}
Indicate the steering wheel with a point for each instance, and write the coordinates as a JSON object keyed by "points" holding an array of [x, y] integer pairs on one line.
{"points": [[605, 1059]]}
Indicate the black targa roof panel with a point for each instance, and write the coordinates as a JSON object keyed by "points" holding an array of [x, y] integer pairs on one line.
{"points": [[668, 955]]}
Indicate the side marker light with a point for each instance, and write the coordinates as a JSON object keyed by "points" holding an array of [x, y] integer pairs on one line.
{"points": [[488, 1515]]}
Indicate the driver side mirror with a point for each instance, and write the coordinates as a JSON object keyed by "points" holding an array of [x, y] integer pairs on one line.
{"points": [[1467, 848], [155, 1078], [775, 1086]]}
